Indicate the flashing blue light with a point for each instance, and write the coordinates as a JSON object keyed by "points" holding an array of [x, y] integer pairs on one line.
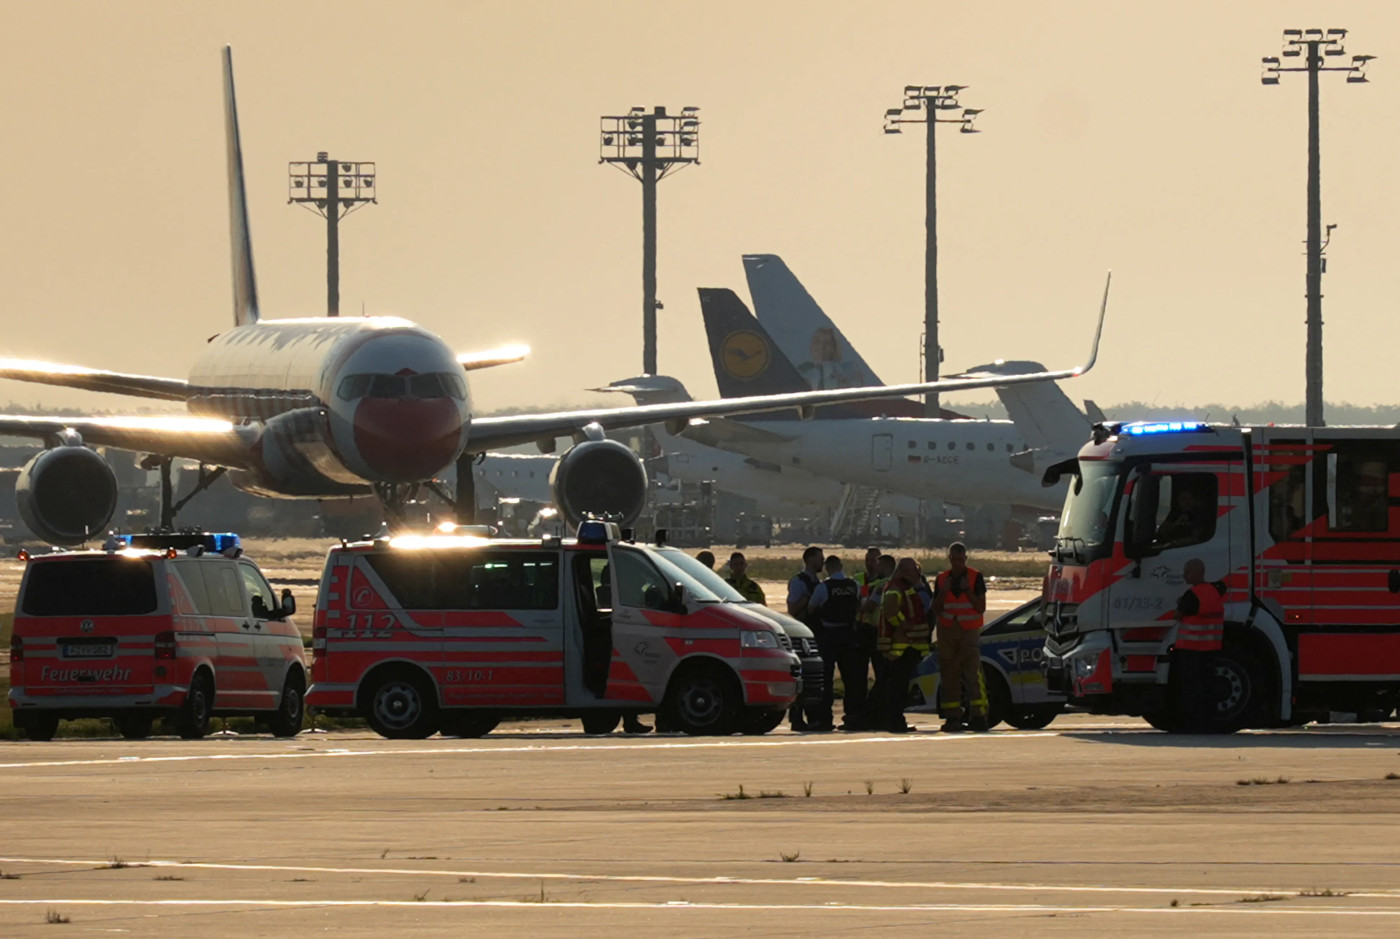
{"points": [[596, 532], [1165, 427]]}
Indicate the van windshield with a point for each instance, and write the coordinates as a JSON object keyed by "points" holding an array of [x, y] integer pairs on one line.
{"points": [[711, 579], [90, 587], [1085, 524], [676, 574]]}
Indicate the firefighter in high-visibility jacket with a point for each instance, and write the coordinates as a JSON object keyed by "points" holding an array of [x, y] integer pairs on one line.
{"points": [[1200, 633], [959, 600], [903, 640]]}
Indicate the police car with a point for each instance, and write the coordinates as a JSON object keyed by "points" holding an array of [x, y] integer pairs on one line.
{"points": [[176, 625], [1013, 646]]}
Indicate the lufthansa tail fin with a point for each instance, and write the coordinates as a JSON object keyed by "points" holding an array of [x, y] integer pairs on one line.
{"points": [[801, 329], [245, 284], [746, 360]]}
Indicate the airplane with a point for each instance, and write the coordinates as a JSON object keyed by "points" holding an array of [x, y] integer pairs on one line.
{"points": [[318, 407], [966, 462]]}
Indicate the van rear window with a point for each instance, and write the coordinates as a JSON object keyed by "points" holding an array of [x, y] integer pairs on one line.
{"points": [[470, 580], [90, 587]]}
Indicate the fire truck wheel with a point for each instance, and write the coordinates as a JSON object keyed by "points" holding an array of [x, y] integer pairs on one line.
{"points": [[468, 724], [703, 701], [133, 726], [40, 726], [1033, 716], [601, 722], [758, 721], [1236, 688], [402, 706], [192, 722], [291, 712]]}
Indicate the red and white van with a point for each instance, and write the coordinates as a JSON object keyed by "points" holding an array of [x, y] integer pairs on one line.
{"points": [[453, 632], [178, 626]]}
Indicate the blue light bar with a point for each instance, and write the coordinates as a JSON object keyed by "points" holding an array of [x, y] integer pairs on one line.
{"points": [[596, 532], [1164, 427]]}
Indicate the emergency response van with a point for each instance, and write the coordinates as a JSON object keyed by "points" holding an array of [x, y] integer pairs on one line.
{"points": [[1297, 528], [179, 626], [453, 632]]}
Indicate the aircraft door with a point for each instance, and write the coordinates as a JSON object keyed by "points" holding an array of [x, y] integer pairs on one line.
{"points": [[881, 452], [645, 612]]}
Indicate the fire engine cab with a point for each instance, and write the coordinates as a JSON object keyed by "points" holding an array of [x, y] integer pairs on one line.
{"points": [[452, 632], [1299, 528], [172, 624]]}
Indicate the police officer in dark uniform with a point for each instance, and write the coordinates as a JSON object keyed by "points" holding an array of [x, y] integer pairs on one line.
{"points": [[834, 605], [799, 599]]}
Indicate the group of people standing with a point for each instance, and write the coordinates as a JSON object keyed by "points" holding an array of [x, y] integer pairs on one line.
{"points": [[885, 620]]}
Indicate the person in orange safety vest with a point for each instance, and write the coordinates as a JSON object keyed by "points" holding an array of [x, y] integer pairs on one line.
{"points": [[959, 600], [1200, 632]]}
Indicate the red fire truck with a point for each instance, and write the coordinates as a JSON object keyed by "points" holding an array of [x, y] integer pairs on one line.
{"points": [[453, 632], [1300, 529]]}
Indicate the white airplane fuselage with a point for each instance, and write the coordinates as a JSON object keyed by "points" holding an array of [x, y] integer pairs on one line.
{"points": [[962, 462], [342, 403]]}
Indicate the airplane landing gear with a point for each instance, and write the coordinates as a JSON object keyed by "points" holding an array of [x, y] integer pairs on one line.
{"points": [[168, 506], [394, 498]]}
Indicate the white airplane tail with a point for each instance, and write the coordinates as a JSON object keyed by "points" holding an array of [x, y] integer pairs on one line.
{"points": [[245, 284], [1043, 413], [801, 329]]}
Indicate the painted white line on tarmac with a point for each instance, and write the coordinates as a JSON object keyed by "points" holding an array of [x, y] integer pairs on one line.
{"points": [[537, 748], [1253, 909], [696, 881]]}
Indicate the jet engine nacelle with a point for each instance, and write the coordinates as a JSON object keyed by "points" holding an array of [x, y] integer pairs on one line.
{"points": [[66, 495], [600, 478]]}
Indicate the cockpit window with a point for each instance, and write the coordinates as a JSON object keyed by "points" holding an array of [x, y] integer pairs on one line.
{"points": [[431, 385]]}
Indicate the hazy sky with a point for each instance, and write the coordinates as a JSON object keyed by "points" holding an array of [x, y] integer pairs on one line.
{"points": [[1121, 135]]}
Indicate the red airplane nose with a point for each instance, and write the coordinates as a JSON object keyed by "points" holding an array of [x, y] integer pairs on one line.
{"points": [[407, 439]]}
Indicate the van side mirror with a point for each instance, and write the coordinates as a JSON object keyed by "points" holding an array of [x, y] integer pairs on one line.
{"points": [[678, 597], [289, 605]]}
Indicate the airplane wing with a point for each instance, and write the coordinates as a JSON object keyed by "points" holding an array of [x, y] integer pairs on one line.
{"points": [[508, 430], [502, 356], [724, 433], [196, 438], [94, 379]]}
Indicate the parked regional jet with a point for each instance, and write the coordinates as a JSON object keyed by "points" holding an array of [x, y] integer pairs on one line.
{"points": [[967, 462], [324, 407]]}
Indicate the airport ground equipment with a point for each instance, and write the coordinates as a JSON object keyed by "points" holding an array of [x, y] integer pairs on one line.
{"points": [[1013, 650], [174, 625], [455, 632], [1300, 527]]}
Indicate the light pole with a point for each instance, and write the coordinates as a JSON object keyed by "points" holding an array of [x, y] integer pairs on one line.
{"points": [[928, 100], [332, 189], [649, 146], [1314, 44]]}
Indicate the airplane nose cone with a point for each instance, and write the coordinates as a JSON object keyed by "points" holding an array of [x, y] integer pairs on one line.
{"points": [[405, 440]]}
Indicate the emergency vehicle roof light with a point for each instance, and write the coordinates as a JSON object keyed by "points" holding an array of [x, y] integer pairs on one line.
{"points": [[1164, 427], [596, 532]]}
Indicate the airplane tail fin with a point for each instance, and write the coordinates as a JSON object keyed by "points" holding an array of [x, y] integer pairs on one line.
{"points": [[801, 329], [245, 284], [745, 358], [1043, 413]]}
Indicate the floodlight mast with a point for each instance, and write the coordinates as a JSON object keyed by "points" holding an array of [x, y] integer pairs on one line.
{"points": [[928, 100], [332, 189], [650, 146], [1314, 44]]}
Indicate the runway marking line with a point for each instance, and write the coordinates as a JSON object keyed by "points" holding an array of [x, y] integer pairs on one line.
{"points": [[100, 864], [1258, 909], [529, 748]]}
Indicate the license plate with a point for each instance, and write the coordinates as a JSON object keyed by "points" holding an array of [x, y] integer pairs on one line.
{"points": [[88, 648]]}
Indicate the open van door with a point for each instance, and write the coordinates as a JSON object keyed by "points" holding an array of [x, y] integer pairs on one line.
{"points": [[645, 607]]}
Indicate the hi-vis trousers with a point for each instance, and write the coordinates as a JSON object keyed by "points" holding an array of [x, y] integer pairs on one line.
{"points": [[959, 668]]}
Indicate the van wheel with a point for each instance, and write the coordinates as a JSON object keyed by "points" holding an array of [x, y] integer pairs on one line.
{"points": [[134, 726], [703, 701], [756, 722], [1034, 716], [402, 706], [601, 722], [468, 724], [40, 726], [291, 712], [192, 722]]}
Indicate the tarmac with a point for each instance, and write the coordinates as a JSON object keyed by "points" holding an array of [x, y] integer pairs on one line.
{"points": [[1092, 826]]}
